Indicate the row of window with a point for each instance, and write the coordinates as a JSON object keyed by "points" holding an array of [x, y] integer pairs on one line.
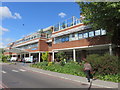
{"points": [[29, 46], [80, 35], [33, 37], [27, 39]]}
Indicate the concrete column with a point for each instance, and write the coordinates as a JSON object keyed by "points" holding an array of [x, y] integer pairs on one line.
{"points": [[20, 56], [74, 55], [24, 55], [39, 57], [53, 56], [29, 54], [110, 49]]}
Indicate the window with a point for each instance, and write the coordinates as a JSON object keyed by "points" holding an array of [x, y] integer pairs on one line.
{"points": [[67, 39], [63, 39], [97, 32], [91, 34], [34, 36], [103, 32], [85, 35], [80, 35], [73, 35], [31, 37], [57, 40]]}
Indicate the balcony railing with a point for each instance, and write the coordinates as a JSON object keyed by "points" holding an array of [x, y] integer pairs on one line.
{"points": [[67, 23]]}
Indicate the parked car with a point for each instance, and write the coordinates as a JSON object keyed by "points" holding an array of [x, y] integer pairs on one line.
{"points": [[13, 59]]}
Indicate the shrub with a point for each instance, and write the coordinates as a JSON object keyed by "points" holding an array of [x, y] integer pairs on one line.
{"points": [[62, 63], [104, 65], [4, 58], [60, 56], [50, 63], [45, 56], [42, 64]]}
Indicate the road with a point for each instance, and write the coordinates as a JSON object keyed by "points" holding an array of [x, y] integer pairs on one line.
{"points": [[16, 76]]}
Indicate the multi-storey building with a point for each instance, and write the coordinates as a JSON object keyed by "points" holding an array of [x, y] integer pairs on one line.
{"points": [[70, 36]]}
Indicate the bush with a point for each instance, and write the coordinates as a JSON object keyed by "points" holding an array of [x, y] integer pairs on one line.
{"points": [[114, 78], [4, 58], [45, 56], [104, 65], [60, 56], [50, 63]]}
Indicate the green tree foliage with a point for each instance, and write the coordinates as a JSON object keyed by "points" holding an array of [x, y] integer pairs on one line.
{"points": [[45, 56], [104, 15], [4, 58], [2, 50], [60, 56]]}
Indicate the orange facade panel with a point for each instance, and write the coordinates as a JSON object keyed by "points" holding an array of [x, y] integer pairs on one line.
{"points": [[83, 42], [43, 46]]}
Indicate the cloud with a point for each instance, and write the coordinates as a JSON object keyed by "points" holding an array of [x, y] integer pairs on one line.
{"points": [[4, 42], [62, 15], [2, 45], [17, 15], [6, 13], [3, 29], [8, 40]]}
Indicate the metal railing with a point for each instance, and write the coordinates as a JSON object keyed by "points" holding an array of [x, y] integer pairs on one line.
{"points": [[67, 23]]}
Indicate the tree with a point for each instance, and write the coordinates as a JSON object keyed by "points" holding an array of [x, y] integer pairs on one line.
{"points": [[104, 15], [45, 56], [60, 56], [2, 50]]}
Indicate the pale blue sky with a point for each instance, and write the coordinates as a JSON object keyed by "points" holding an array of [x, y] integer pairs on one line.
{"points": [[34, 16]]}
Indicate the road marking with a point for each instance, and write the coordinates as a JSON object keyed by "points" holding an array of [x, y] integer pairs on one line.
{"points": [[14, 70], [3, 72], [22, 70], [3, 86]]}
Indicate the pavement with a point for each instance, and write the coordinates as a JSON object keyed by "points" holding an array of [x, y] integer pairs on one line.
{"points": [[99, 83]]}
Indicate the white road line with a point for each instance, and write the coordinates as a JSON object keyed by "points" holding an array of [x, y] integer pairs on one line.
{"points": [[22, 70], [14, 70], [3, 72]]}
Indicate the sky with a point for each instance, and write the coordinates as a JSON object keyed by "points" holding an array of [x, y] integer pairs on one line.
{"points": [[22, 18]]}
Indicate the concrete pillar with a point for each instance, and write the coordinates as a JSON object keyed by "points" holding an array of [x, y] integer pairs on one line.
{"points": [[74, 55], [24, 55], [20, 56], [53, 56], [110, 49], [29, 54], [39, 57]]}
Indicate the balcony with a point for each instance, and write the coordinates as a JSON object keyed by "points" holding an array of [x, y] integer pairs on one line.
{"points": [[67, 23]]}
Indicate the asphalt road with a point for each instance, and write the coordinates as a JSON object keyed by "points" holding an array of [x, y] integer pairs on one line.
{"points": [[15, 76]]}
